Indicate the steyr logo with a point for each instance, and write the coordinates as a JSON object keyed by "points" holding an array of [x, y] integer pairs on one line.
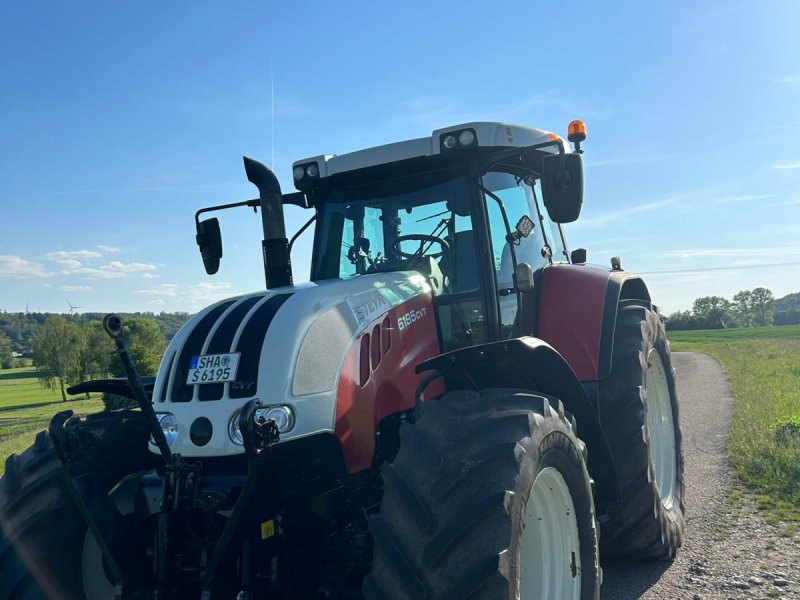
{"points": [[369, 307]]}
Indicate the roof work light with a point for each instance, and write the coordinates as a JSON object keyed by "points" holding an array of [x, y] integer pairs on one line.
{"points": [[576, 133]]}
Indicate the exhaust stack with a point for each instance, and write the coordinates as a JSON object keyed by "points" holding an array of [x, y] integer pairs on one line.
{"points": [[275, 246]]}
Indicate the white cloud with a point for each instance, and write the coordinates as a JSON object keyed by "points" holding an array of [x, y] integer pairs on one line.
{"points": [[73, 288], [741, 198], [147, 275], [70, 263], [135, 267], [616, 215], [16, 267], [113, 270], [189, 297], [72, 254], [789, 165], [744, 253], [169, 290], [105, 248]]}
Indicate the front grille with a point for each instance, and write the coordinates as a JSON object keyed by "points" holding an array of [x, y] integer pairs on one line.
{"points": [[250, 344], [221, 343]]}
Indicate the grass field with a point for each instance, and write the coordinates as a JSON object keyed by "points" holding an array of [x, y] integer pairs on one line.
{"points": [[26, 408], [763, 365]]}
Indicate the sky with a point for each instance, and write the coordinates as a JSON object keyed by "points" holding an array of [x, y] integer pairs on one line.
{"points": [[119, 120]]}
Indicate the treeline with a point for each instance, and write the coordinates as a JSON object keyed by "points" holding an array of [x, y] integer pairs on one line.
{"points": [[68, 352], [20, 328], [747, 308]]}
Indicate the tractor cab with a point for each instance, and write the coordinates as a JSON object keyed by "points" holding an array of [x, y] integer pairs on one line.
{"points": [[466, 216]]}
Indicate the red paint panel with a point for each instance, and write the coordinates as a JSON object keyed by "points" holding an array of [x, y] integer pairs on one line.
{"points": [[391, 384], [571, 314]]}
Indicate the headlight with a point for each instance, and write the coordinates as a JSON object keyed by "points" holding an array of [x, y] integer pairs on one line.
{"points": [[234, 431], [169, 425], [458, 139], [466, 137], [282, 415]]}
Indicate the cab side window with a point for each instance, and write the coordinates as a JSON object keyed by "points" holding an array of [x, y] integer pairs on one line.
{"points": [[517, 199]]}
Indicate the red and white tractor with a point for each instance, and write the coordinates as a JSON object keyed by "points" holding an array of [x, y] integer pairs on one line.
{"points": [[453, 407]]}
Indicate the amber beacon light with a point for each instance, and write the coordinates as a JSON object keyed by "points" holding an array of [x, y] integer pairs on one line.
{"points": [[576, 133]]}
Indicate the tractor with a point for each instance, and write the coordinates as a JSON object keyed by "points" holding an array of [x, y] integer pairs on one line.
{"points": [[454, 406]]}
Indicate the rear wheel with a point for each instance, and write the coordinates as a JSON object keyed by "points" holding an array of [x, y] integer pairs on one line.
{"points": [[639, 413], [43, 534], [488, 497]]}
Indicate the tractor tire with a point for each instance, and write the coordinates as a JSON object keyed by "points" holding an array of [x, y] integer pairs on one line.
{"points": [[488, 497], [41, 531], [639, 415]]}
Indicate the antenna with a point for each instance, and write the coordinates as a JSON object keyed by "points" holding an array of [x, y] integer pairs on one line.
{"points": [[272, 113]]}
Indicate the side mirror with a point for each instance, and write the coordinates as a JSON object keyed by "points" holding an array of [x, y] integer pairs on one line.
{"points": [[562, 186], [209, 239]]}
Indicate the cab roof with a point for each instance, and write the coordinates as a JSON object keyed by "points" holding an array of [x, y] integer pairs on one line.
{"points": [[484, 134]]}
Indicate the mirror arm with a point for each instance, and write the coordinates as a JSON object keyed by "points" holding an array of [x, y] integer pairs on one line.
{"points": [[254, 203], [300, 231]]}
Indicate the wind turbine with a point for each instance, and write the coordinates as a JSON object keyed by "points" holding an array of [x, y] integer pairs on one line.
{"points": [[71, 308]]}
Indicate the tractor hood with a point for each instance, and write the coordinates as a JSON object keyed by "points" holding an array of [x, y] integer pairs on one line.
{"points": [[292, 343]]}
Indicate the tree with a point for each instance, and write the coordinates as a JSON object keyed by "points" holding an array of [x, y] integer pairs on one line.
{"points": [[57, 352], [714, 311], [743, 307], [763, 301], [6, 358], [680, 320], [95, 351], [146, 344]]}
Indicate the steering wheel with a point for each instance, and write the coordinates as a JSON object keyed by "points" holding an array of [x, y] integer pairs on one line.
{"points": [[422, 238]]}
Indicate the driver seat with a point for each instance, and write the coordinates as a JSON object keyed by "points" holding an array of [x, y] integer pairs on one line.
{"points": [[459, 263]]}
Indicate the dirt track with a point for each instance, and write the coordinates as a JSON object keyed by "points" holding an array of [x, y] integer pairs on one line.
{"points": [[728, 552]]}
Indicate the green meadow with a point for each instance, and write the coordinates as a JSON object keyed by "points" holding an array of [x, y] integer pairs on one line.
{"points": [[25, 408], [763, 366]]}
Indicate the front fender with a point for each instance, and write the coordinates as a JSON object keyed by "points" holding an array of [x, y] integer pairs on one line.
{"points": [[577, 313]]}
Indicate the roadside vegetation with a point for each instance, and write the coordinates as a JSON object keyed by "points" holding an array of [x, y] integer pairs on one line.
{"points": [[763, 365], [748, 308]]}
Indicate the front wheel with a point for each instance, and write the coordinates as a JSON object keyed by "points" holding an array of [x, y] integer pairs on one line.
{"points": [[42, 534], [639, 414], [488, 497]]}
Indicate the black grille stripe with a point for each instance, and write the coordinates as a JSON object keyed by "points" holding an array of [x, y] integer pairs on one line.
{"points": [[193, 347], [250, 344], [221, 344], [165, 385]]}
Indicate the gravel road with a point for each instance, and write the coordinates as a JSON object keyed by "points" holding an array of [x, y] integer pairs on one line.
{"points": [[729, 551]]}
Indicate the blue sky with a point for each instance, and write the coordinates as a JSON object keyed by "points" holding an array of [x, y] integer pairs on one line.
{"points": [[119, 120]]}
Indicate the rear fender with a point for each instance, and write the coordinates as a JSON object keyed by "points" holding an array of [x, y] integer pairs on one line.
{"points": [[532, 364]]}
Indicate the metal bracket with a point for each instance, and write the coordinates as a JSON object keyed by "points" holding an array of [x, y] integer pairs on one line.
{"points": [[258, 435]]}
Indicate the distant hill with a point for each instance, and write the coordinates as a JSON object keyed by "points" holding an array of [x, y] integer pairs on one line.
{"points": [[21, 327]]}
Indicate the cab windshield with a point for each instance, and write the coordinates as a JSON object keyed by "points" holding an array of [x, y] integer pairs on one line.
{"points": [[399, 225]]}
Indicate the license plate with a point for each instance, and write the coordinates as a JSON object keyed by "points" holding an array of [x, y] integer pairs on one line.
{"points": [[213, 368]]}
